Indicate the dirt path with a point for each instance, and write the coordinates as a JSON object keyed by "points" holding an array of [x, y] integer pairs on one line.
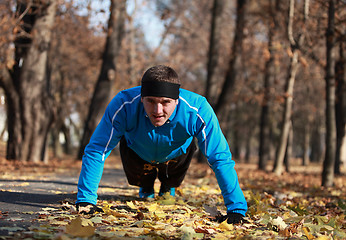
{"points": [[26, 193]]}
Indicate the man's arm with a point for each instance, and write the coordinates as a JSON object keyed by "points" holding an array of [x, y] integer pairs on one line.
{"points": [[228, 181], [89, 178], [215, 147], [105, 137]]}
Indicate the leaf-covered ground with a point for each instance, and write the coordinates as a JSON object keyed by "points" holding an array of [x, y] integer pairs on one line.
{"points": [[292, 206]]}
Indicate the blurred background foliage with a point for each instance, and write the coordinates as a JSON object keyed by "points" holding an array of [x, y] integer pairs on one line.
{"points": [[273, 70]]}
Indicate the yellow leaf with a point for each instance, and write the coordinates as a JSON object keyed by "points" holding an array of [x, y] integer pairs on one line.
{"points": [[31, 212], [131, 205], [178, 221], [168, 201], [96, 220], [59, 223], [160, 214], [117, 214], [139, 224], [225, 226], [86, 222], [111, 218], [307, 233], [49, 209], [76, 229], [152, 207]]}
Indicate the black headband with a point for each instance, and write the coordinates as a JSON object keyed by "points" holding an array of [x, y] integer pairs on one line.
{"points": [[160, 89]]}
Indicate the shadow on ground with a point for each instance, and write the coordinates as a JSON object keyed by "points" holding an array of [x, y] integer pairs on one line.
{"points": [[22, 201]]}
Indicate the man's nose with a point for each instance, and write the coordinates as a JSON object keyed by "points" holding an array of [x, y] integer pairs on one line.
{"points": [[158, 108]]}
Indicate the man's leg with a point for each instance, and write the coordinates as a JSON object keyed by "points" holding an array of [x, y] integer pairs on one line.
{"points": [[138, 172], [172, 173]]}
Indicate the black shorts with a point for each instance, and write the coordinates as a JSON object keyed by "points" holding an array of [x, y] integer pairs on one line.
{"points": [[143, 174]]}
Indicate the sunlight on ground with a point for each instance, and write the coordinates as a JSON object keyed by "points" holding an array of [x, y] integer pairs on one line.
{"points": [[293, 205]]}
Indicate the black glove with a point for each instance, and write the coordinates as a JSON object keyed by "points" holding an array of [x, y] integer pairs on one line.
{"points": [[232, 218], [89, 208]]}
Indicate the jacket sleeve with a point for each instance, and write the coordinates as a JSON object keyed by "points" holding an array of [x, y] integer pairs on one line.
{"points": [[214, 146], [105, 137]]}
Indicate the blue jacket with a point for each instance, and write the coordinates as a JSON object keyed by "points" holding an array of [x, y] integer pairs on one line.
{"points": [[192, 117]]}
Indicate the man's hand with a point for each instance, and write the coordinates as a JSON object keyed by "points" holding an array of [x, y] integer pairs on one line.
{"points": [[87, 208], [232, 218]]}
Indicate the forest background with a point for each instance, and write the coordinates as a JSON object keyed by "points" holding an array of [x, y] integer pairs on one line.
{"points": [[274, 72]]}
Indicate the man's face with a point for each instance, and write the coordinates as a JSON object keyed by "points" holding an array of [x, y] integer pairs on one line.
{"points": [[159, 109]]}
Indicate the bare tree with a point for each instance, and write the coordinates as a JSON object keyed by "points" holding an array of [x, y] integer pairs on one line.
{"points": [[26, 84], [214, 48], [131, 51], [108, 71], [289, 88], [213, 56], [231, 73], [340, 105], [74, 61], [270, 73], [329, 161]]}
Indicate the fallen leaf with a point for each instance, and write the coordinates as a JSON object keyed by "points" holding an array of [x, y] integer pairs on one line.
{"points": [[96, 220], [308, 235], [204, 230], [279, 223], [76, 229], [211, 210], [131, 205], [225, 226]]}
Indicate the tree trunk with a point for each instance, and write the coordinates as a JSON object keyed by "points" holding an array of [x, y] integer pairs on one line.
{"points": [[108, 69], [329, 161], [231, 73], [213, 57], [270, 74], [35, 99], [317, 144], [343, 150], [289, 88], [288, 154], [248, 147], [3, 131], [214, 48], [56, 145], [340, 105], [14, 126], [67, 134], [278, 169], [131, 52], [306, 157], [29, 105]]}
